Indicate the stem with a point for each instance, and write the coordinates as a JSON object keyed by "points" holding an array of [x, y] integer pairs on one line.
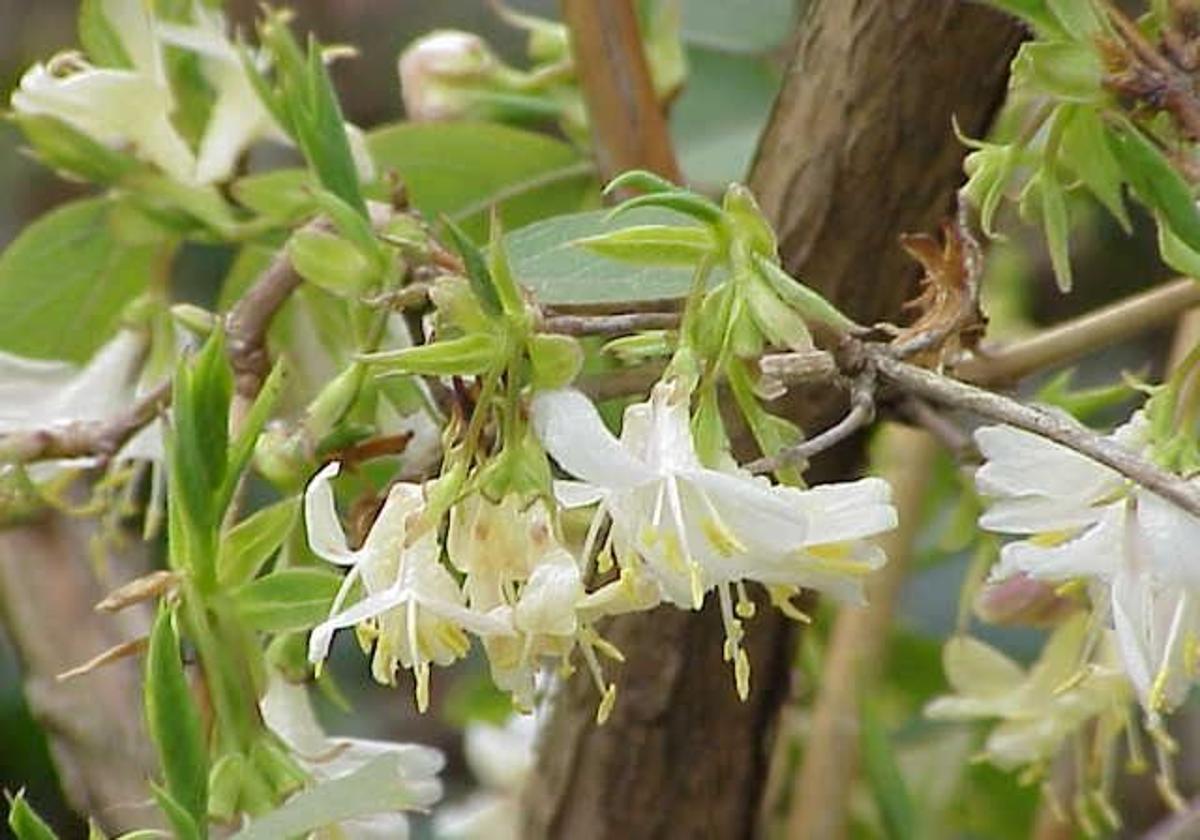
{"points": [[629, 130], [623, 324], [1078, 337], [862, 412], [1059, 428]]}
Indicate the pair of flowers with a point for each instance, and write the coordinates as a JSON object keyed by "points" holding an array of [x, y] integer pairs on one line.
{"points": [[1080, 520], [678, 530]]}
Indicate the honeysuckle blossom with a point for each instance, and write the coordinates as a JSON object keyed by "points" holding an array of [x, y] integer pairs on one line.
{"points": [[238, 117], [512, 560], [39, 394], [697, 528], [1038, 708], [1082, 520], [413, 611], [286, 710], [438, 71], [114, 106], [501, 757]]}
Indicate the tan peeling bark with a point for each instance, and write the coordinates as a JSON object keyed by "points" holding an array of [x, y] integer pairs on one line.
{"points": [[858, 150]]}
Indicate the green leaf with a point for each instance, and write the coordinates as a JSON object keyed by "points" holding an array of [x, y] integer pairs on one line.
{"points": [[101, 43], [1067, 70], [555, 361], [330, 261], [67, 149], [669, 245], [65, 280], [285, 195], [1034, 12], [200, 437], [465, 356], [381, 785], [547, 260], [883, 773], [174, 721], [500, 269], [478, 273], [1057, 226], [461, 169], [287, 600], [641, 180], [1086, 152], [25, 822], [182, 822], [781, 325], [741, 89], [681, 201], [242, 448], [1176, 254], [1078, 17], [807, 301], [249, 544], [1156, 182]]}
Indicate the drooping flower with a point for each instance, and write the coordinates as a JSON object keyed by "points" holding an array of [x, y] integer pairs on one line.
{"points": [[413, 611], [238, 117], [439, 71], [114, 106], [513, 560], [501, 757], [697, 528], [1082, 520], [1040, 708], [287, 711], [42, 394]]}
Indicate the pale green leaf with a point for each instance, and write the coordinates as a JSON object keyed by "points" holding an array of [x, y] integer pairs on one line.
{"points": [[251, 542], [65, 280], [25, 822], [287, 600], [668, 245]]}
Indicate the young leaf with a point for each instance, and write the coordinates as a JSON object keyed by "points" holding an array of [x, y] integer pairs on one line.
{"points": [[247, 547], [1078, 17], [1034, 12], [500, 270], [174, 722], [549, 263], [465, 356], [25, 822], [1057, 227], [780, 324], [182, 822], [284, 195], [65, 280], [242, 448], [642, 181], [1156, 182], [681, 201], [67, 149], [482, 283], [669, 245], [1086, 152], [1175, 254], [199, 440], [1069, 71], [330, 262], [809, 303], [463, 169], [287, 600], [99, 40]]}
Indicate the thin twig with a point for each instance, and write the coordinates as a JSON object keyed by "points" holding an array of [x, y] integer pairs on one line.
{"points": [[623, 324], [85, 438], [1059, 428], [861, 413], [1072, 339]]}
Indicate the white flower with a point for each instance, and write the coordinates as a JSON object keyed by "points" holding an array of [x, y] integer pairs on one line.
{"points": [[501, 758], [238, 118], [286, 710], [1083, 520], [39, 394], [437, 70], [1038, 708], [114, 106], [413, 611], [697, 528]]}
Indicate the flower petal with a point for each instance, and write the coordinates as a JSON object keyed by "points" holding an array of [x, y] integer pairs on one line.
{"points": [[571, 430], [326, 537]]}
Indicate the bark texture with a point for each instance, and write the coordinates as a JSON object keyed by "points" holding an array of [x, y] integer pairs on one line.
{"points": [[48, 594], [858, 150]]}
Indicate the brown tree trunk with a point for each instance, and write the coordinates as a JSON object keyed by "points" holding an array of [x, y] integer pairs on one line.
{"points": [[858, 150], [48, 594]]}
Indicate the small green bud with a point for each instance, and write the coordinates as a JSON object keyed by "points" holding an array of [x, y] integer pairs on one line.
{"points": [[225, 786], [331, 262], [195, 319], [554, 360], [747, 221], [334, 400], [283, 457]]}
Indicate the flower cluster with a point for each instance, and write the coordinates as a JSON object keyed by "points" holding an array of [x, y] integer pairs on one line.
{"points": [[1080, 520], [676, 531]]}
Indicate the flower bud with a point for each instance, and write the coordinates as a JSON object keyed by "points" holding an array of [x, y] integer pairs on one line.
{"points": [[1023, 600], [438, 71], [282, 456]]}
